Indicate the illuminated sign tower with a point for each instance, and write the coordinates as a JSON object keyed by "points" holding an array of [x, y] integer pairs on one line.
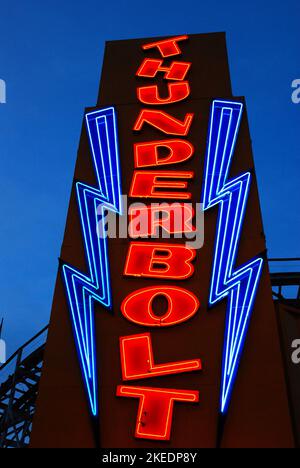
{"points": [[165, 336]]}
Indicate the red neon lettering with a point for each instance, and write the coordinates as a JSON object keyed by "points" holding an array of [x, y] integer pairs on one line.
{"points": [[148, 184], [150, 95], [167, 47], [176, 71], [154, 418], [147, 154], [146, 221], [138, 362], [182, 305], [164, 122], [159, 260]]}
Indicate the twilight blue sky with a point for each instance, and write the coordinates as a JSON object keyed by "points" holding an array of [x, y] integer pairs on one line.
{"points": [[51, 55]]}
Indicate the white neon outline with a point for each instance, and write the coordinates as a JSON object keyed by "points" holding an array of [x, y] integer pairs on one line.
{"points": [[239, 285], [82, 289]]}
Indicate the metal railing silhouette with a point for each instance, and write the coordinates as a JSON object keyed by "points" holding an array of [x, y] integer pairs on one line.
{"points": [[20, 377]]}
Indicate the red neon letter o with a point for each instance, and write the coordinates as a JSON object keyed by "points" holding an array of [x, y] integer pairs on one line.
{"points": [[137, 306]]}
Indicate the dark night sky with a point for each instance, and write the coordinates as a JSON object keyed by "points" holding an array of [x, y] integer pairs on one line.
{"points": [[51, 55]]}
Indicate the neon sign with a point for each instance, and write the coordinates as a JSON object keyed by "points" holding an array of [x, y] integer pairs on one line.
{"points": [[238, 284], [156, 175], [83, 289], [167, 261]]}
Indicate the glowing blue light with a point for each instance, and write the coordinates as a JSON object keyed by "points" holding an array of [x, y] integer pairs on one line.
{"points": [[238, 284], [83, 289]]}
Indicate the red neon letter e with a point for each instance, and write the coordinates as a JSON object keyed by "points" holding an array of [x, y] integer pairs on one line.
{"points": [[149, 184]]}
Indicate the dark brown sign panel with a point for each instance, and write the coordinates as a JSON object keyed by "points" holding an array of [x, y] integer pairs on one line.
{"points": [[179, 363]]}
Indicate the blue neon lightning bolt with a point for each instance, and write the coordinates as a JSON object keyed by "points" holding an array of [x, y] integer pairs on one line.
{"points": [[238, 284], [83, 289]]}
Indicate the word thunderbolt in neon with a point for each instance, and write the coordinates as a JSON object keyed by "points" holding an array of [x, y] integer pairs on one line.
{"points": [[240, 284], [83, 289]]}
